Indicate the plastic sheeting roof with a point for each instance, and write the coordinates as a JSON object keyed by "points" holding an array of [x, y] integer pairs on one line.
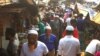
{"points": [[96, 19]]}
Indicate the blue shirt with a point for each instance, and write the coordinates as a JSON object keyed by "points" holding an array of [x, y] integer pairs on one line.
{"points": [[80, 24], [51, 42]]}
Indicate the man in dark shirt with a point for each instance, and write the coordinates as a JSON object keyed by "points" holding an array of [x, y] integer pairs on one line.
{"points": [[81, 29], [80, 23], [12, 48]]}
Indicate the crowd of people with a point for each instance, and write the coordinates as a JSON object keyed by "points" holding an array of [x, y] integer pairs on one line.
{"points": [[61, 33]]}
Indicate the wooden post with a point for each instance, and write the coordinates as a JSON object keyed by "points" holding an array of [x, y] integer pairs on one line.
{"points": [[1, 33], [0, 42]]}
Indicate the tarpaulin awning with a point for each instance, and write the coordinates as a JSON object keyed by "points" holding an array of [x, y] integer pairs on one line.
{"points": [[96, 19], [79, 8], [96, 1], [84, 12]]}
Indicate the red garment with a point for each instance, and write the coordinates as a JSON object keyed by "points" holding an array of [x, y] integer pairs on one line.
{"points": [[75, 33]]}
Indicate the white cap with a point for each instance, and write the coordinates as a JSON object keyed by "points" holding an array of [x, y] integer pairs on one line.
{"points": [[33, 32], [48, 27], [75, 15], [67, 9], [70, 28], [57, 16]]}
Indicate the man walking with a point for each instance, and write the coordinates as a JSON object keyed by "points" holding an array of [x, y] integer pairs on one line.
{"points": [[33, 47], [69, 45], [91, 49], [50, 40], [12, 47], [81, 29]]}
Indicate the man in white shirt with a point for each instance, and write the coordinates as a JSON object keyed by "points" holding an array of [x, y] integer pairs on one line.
{"points": [[91, 48], [69, 45], [69, 19], [33, 47]]}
